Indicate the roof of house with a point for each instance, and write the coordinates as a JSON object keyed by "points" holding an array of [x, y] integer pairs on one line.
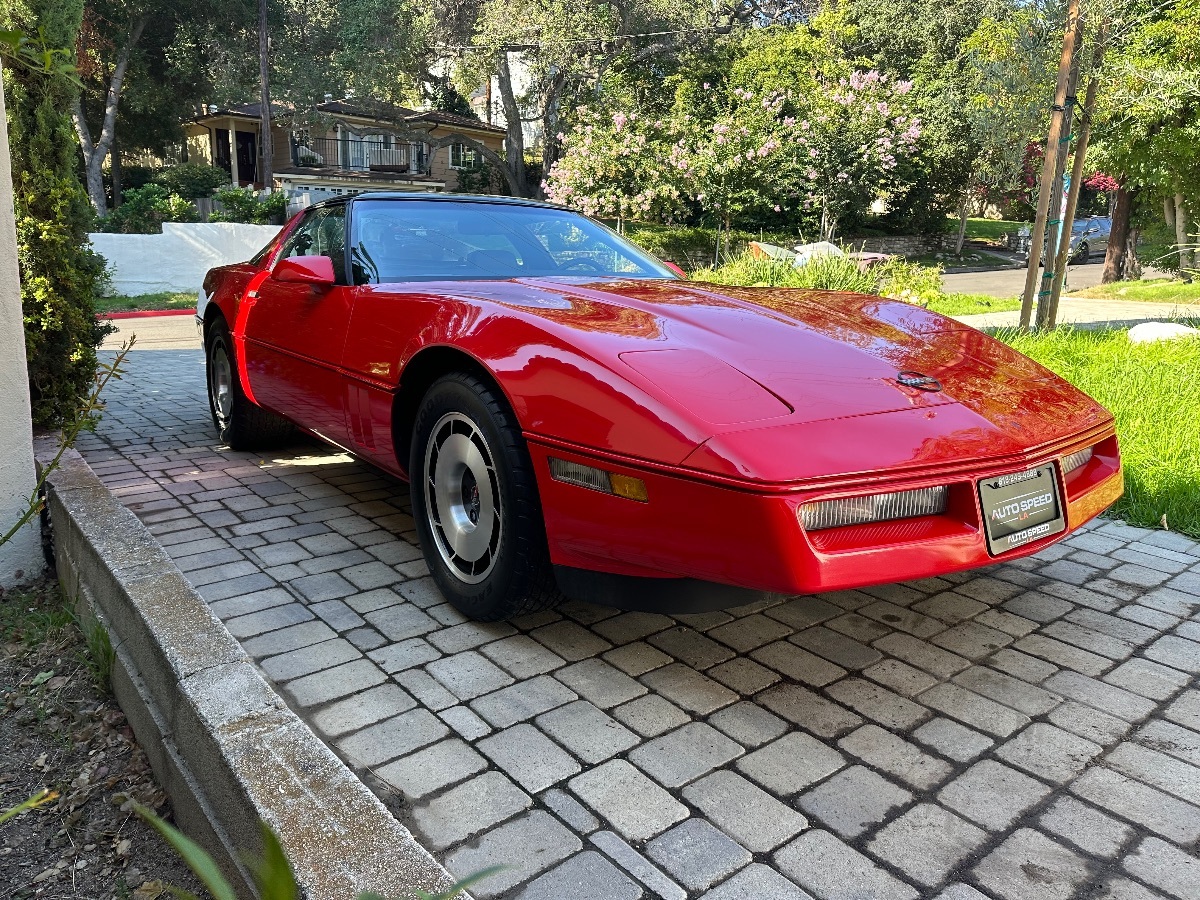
{"points": [[377, 110]]}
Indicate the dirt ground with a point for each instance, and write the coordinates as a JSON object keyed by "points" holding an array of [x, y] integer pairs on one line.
{"points": [[61, 729]]}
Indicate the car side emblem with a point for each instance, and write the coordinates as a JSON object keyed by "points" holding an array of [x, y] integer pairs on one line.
{"points": [[919, 381]]}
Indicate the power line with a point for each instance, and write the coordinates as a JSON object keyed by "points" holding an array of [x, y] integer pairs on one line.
{"points": [[716, 29]]}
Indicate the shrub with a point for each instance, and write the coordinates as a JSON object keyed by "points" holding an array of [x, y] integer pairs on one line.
{"points": [[145, 209], [192, 180], [823, 273], [59, 271], [246, 206], [482, 179], [911, 282]]}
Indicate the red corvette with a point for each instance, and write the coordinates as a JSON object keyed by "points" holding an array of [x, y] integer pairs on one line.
{"points": [[574, 417]]}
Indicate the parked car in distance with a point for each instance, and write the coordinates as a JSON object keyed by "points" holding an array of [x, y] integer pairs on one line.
{"points": [[1088, 236], [574, 417]]}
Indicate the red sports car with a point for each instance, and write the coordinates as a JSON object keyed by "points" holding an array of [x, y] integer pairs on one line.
{"points": [[575, 418]]}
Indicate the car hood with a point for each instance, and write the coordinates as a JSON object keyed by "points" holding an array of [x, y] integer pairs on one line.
{"points": [[756, 370]]}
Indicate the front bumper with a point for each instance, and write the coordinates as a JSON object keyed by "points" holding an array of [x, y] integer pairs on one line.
{"points": [[750, 537]]}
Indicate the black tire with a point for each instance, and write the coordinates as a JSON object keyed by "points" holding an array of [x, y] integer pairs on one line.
{"points": [[240, 424], [1082, 255], [474, 490]]}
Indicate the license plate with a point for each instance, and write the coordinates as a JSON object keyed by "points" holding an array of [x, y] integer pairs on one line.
{"points": [[1020, 508]]}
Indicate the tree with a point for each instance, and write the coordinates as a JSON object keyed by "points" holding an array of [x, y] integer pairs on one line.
{"points": [[59, 272], [123, 24], [623, 167], [139, 47], [565, 49], [1149, 125], [849, 145]]}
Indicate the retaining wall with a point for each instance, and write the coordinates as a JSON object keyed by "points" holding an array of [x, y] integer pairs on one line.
{"points": [[177, 259], [223, 745]]}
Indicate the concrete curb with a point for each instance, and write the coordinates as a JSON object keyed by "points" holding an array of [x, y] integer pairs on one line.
{"points": [[223, 745]]}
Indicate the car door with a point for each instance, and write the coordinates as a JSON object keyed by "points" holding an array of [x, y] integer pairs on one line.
{"points": [[295, 333]]}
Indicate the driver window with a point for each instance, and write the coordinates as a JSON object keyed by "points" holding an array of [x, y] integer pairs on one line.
{"points": [[323, 233]]}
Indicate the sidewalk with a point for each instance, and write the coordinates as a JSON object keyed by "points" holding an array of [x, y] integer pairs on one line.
{"points": [[1088, 312]]}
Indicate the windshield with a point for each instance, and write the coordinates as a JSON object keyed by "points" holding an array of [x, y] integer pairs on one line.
{"points": [[426, 240]]}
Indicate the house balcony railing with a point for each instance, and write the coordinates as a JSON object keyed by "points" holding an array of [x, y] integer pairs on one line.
{"points": [[360, 155]]}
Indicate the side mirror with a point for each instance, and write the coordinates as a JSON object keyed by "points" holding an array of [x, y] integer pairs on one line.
{"points": [[315, 270], [674, 268]]}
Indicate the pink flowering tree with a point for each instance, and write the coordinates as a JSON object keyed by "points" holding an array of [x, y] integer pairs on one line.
{"points": [[735, 154], [848, 144], [732, 158], [621, 166]]}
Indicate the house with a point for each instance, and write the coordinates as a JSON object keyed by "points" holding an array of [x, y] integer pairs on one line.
{"points": [[349, 146]]}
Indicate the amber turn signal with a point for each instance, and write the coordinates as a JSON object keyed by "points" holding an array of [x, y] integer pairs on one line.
{"points": [[598, 480]]}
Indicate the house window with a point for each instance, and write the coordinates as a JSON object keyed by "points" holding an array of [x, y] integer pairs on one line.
{"points": [[463, 157]]}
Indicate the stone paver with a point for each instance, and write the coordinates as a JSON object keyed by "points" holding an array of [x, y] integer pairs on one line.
{"points": [[634, 805], [852, 801], [1030, 866], [1028, 731], [927, 842], [697, 854]]}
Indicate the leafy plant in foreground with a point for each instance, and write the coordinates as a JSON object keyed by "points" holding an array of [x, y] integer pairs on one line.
{"points": [[83, 418], [272, 873]]}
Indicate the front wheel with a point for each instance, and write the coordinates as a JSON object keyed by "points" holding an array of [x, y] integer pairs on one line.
{"points": [[240, 424], [1082, 255], [475, 503]]}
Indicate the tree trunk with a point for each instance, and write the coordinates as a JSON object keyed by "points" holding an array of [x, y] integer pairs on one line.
{"points": [[267, 174], [1133, 266], [1115, 256], [514, 139], [95, 154], [1182, 238], [1037, 237], [114, 168], [963, 209], [550, 143], [1169, 211]]}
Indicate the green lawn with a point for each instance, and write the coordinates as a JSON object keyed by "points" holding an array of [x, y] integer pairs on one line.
{"points": [[989, 229], [145, 302], [972, 304], [1157, 290], [1154, 392]]}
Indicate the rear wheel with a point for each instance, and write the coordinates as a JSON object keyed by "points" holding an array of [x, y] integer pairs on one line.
{"points": [[240, 424], [1082, 255], [475, 502]]}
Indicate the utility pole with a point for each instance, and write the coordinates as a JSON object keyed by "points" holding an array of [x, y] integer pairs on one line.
{"points": [[1081, 145], [1058, 225], [266, 150], [1057, 116]]}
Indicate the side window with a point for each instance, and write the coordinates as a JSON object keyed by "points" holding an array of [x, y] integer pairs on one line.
{"points": [[323, 233]]}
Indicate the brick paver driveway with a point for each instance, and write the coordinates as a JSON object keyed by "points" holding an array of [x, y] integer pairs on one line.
{"points": [[1030, 731]]}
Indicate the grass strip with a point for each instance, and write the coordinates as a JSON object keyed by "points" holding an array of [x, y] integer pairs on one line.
{"points": [[1153, 390], [146, 302]]}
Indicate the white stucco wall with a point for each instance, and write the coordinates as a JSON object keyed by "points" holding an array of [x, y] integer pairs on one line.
{"points": [[21, 558], [177, 259]]}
